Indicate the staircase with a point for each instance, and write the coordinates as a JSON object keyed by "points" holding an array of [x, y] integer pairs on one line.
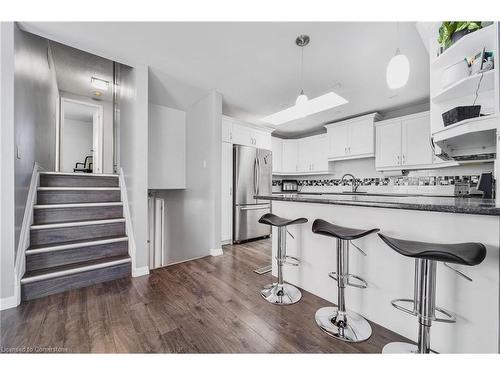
{"points": [[78, 234]]}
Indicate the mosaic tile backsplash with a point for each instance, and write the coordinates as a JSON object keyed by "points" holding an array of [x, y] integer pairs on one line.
{"points": [[472, 180]]}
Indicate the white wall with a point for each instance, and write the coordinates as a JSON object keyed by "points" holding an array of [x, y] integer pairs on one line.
{"points": [[107, 122], [192, 222], [133, 105], [7, 195], [76, 143]]}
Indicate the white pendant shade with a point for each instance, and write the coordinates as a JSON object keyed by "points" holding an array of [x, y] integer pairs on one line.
{"points": [[301, 99], [398, 71]]}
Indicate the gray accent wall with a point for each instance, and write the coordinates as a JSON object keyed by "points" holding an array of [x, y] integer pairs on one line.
{"points": [[36, 100]]}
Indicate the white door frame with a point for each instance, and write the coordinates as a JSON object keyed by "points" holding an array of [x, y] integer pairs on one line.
{"points": [[97, 134]]}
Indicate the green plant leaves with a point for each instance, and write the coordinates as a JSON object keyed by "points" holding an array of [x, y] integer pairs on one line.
{"points": [[448, 28]]}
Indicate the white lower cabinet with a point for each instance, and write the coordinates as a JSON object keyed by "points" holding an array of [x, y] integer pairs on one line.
{"points": [[404, 143], [227, 192]]}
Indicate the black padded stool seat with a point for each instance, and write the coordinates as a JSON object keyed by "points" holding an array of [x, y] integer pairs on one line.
{"points": [[271, 219], [328, 229], [469, 253]]}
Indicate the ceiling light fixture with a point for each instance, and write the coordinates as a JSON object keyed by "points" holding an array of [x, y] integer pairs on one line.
{"points": [[398, 69], [303, 105], [99, 84]]}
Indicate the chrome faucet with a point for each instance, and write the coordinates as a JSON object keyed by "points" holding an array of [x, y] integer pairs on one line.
{"points": [[354, 184]]}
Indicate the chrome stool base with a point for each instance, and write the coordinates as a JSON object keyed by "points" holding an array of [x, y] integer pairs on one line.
{"points": [[402, 348], [351, 328], [284, 294]]}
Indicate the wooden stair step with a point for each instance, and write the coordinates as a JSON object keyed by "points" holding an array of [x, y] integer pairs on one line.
{"points": [[58, 213], [58, 179], [45, 234], [71, 252], [40, 283], [59, 195]]}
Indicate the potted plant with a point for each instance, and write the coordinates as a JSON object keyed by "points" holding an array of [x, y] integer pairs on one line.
{"points": [[451, 31]]}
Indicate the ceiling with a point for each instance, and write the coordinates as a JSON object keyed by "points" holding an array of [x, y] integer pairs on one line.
{"points": [[79, 112], [256, 65], [75, 68]]}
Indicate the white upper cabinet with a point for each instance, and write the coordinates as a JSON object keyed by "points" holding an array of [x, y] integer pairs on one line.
{"points": [[416, 141], [388, 144], [290, 156], [405, 143], [166, 148], [304, 156], [241, 133], [353, 138], [277, 149]]}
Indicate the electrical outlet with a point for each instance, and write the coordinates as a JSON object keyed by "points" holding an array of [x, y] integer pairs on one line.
{"points": [[18, 152]]}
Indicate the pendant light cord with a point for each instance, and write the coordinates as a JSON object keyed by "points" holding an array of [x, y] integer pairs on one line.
{"points": [[301, 69]]}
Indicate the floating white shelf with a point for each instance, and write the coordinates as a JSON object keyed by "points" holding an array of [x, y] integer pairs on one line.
{"points": [[473, 125], [466, 86], [466, 46]]}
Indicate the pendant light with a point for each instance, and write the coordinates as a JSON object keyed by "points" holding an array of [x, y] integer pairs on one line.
{"points": [[302, 41], [398, 69]]}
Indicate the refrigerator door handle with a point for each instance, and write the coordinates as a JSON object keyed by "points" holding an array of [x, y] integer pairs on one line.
{"points": [[258, 176], [252, 208], [255, 176]]}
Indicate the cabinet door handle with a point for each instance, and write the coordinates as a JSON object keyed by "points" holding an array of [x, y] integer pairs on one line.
{"points": [[397, 160], [349, 148], [404, 159], [345, 150]]}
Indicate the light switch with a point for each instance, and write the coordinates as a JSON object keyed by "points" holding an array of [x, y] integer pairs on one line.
{"points": [[18, 152], [204, 163]]}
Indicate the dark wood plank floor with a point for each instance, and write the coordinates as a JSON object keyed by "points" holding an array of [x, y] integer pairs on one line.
{"points": [[209, 305]]}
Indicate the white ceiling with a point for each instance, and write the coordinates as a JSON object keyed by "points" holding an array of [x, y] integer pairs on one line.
{"points": [[75, 68], [256, 65], [79, 112]]}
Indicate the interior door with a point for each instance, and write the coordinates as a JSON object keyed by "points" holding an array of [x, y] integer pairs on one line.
{"points": [[416, 144], [338, 140], [388, 152], [245, 174]]}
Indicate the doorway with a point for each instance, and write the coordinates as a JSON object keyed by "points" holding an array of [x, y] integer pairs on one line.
{"points": [[80, 143]]}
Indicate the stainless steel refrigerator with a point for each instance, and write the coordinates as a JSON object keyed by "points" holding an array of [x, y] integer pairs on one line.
{"points": [[252, 175]]}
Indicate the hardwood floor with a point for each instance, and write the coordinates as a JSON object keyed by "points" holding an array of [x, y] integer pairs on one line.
{"points": [[209, 305]]}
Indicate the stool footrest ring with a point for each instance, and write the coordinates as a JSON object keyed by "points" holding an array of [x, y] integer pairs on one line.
{"points": [[287, 259], [396, 304], [449, 317], [362, 285]]}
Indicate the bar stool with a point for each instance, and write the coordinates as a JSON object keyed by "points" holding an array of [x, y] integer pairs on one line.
{"points": [[423, 304], [281, 293], [343, 324]]}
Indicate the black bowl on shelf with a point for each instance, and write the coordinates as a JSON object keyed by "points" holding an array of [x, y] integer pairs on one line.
{"points": [[458, 114]]}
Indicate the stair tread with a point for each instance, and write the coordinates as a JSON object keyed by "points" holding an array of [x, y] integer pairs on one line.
{"points": [[38, 247], [77, 205], [80, 174], [68, 224], [45, 271]]}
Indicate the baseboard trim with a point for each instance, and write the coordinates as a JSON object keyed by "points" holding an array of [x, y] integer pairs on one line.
{"points": [[140, 271], [8, 302], [216, 252]]}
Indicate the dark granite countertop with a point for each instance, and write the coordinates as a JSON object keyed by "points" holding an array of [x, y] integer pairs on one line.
{"points": [[472, 206]]}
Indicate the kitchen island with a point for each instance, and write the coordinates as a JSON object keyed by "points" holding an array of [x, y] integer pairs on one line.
{"points": [[390, 275]]}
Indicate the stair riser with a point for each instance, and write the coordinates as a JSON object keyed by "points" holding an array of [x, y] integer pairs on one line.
{"points": [[80, 181], [44, 288], [61, 215], [71, 256], [84, 232], [77, 196]]}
